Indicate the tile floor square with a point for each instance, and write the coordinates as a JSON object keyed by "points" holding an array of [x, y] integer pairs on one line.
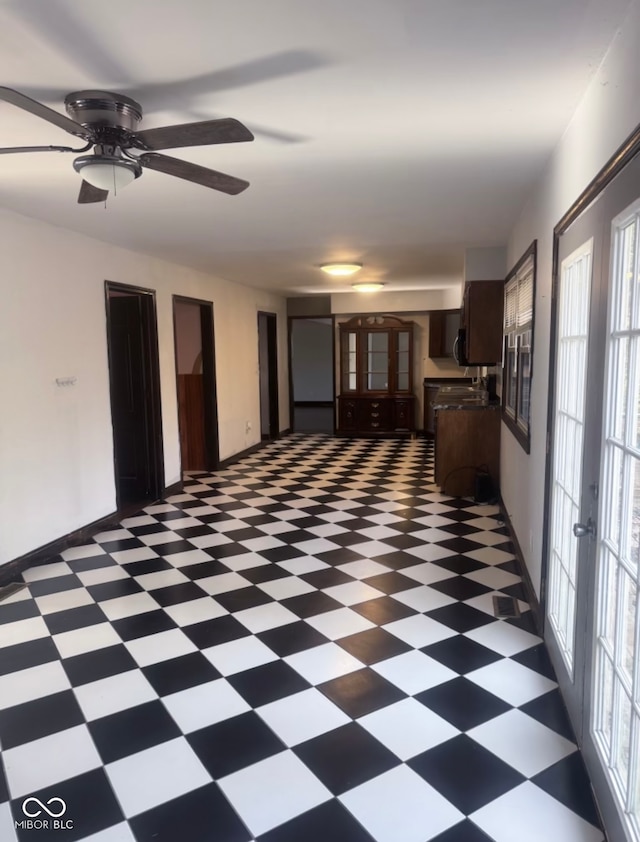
{"points": [[286, 789], [522, 742], [399, 804], [301, 716], [158, 774], [539, 817]]}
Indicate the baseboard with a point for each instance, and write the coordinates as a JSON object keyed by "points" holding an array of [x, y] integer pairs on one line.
{"points": [[170, 490], [224, 463], [10, 571], [532, 597], [286, 432]]}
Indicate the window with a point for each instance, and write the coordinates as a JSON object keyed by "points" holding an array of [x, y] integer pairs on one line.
{"points": [[517, 359]]}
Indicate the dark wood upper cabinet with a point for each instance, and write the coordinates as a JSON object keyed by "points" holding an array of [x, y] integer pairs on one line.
{"points": [[481, 323], [443, 330]]}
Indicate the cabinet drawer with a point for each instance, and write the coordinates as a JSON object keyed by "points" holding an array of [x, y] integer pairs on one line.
{"points": [[403, 415], [348, 414], [374, 415]]}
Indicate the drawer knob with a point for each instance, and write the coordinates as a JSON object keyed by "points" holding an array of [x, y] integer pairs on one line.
{"points": [[375, 405], [375, 414], [375, 424]]}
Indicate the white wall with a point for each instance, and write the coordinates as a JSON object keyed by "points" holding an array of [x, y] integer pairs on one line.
{"points": [[607, 114], [56, 447]]}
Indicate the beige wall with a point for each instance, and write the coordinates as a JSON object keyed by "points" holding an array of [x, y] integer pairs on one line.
{"points": [[56, 446]]}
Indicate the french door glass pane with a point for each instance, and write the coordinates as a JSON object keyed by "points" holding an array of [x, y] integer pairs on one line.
{"points": [[573, 337], [617, 644]]}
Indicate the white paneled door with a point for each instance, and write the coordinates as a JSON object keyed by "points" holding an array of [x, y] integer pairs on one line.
{"points": [[572, 338], [593, 561], [615, 709]]}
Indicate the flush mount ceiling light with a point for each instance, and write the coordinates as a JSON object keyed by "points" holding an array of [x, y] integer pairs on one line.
{"points": [[367, 287], [107, 172], [341, 270]]}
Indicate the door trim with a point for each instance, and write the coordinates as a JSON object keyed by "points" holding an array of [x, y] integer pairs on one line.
{"points": [[209, 380], [292, 403], [272, 375], [152, 382]]}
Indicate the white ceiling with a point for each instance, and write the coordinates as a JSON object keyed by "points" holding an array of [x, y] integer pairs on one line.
{"points": [[391, 132]]}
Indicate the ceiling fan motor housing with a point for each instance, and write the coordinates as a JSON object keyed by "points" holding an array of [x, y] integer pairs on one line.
{"points": [[100, 110]]}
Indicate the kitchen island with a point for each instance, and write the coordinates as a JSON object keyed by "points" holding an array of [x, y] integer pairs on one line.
{"points": [[467, 439]]}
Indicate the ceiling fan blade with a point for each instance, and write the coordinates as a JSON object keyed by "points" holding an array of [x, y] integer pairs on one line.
{"points": [[45, 113], [158, 95], [280, 137], [193, 172], [63, 31], [89, 194], [272, 134], [205, 133]]}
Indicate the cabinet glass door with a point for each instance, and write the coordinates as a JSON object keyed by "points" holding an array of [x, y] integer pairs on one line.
{"points": [[349, 362], [377, 362], [402, 361]]}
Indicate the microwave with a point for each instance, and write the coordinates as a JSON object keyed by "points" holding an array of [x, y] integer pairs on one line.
{"points": [[460, 348]]}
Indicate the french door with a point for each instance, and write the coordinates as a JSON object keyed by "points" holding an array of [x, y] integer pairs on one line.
{"points": [[592, 623]]}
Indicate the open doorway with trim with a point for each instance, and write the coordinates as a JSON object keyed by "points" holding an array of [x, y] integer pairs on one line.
{"points": [[196, 383], [134, 379], [268, 375]]}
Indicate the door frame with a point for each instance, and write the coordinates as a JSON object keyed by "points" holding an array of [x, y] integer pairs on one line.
{"points": [[209, 380], [151, 361], [272, 373], [290, 320]]}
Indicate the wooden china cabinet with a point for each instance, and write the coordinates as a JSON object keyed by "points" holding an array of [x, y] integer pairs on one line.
{"points": [[376, 376]]}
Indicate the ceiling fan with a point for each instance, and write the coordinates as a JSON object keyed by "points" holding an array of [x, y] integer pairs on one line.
{"points": [[108, 122]]}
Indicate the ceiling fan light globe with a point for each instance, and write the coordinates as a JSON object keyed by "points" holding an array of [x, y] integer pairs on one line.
{"points": [[107, 176], [107, 172]]}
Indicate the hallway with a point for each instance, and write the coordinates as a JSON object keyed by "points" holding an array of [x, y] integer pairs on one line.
{"points": [[299, 647]]}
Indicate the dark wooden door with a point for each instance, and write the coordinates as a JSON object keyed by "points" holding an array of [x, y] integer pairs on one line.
{"points": [[130, 414]]}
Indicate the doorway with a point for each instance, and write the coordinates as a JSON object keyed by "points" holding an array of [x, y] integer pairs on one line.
{"points": [[134, 378], [196, 383], [592, 624], [312, 374], [268, 375]]}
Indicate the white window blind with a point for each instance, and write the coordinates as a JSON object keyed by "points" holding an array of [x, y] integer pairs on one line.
{"points": [[519, 296], [511, 305], [525, 294]]}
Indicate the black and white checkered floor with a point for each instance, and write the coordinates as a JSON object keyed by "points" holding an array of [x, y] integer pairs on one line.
{"points": [[300, 647]]}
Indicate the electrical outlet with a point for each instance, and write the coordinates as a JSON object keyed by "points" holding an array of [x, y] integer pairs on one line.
{"points": [[248, 427], [531, 543]]}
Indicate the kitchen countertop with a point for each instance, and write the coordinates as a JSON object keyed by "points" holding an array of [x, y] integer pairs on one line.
{"points": [[474, 406]]}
